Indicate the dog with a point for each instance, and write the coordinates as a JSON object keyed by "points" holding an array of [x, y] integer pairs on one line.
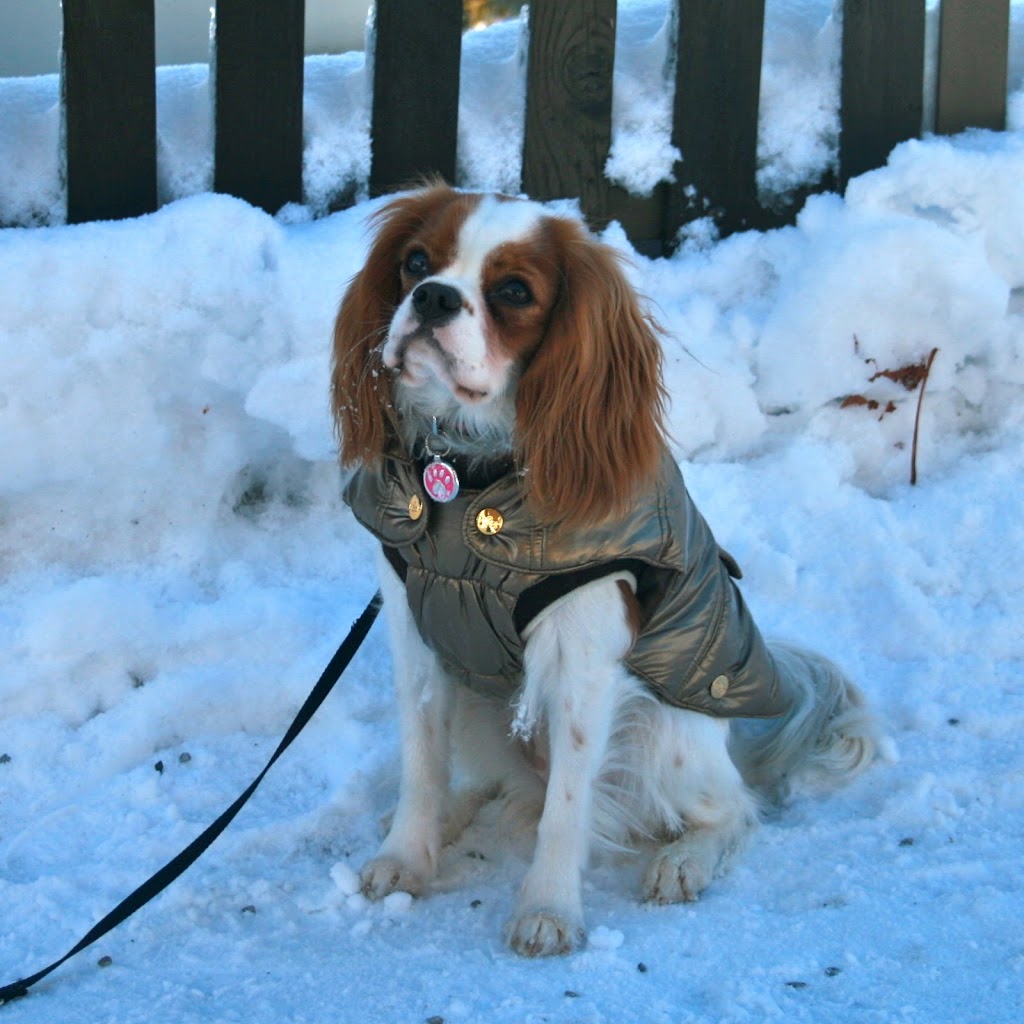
{"points": [[565, 631]]}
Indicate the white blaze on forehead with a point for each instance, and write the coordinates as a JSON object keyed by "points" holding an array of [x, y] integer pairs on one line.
{"points": [[494, 222]]}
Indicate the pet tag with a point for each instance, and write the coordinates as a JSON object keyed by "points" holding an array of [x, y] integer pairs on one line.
{"points": [[439, 477], [440, 480]]}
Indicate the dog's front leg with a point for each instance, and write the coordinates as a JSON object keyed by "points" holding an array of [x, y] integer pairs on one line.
{"points": [[408, 857], [573, 676]]}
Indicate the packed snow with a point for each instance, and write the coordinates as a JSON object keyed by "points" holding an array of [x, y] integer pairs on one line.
{"points": [[178, 566]]}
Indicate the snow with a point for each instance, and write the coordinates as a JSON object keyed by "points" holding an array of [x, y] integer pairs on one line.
{"points": [[178, 567]]}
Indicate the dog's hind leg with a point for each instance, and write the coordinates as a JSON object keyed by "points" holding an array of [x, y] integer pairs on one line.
{"points": [[408, 858], [705, 804]]}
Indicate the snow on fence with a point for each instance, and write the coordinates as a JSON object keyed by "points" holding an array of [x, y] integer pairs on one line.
{"points": [[110, 101]]}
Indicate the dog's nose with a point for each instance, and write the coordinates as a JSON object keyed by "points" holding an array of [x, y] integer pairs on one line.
{"points": [[436, 303]]}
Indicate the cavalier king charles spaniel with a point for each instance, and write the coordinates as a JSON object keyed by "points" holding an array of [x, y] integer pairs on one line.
{"points": [[566, 634]]}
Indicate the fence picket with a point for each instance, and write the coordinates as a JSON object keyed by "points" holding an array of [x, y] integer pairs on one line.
{"points": [[882, 90], [718, 84], [414, 126], [108, 84], [258, 101], [974, 41], [569, 102]]}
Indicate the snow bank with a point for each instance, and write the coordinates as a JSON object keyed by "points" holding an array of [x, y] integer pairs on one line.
{"points": [[177, 567]]}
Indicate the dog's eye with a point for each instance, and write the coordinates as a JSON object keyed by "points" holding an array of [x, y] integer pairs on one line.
{"points": [[417, 264], [514, 292]]}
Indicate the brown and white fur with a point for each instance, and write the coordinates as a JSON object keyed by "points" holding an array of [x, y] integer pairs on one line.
{"points": [[519, 332]]}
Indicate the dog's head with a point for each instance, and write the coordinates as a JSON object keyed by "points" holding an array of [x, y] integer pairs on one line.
{"points": [[518, 331]]}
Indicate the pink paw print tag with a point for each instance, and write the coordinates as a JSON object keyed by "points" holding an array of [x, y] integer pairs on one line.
{"points": [[441, 480]]}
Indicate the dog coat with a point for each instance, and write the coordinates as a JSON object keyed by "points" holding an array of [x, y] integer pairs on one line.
{"points": [[480, 568]]}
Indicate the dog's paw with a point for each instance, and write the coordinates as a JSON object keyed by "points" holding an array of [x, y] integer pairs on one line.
{"points": [[544, 933], [675, 876], [384, 875]]}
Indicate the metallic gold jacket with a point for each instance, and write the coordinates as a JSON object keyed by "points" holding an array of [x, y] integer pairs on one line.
{"points": [[480, 568]]}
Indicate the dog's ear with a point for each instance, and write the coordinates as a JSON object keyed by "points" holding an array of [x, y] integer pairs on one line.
{"points": [[590, 404], [360, 384]]}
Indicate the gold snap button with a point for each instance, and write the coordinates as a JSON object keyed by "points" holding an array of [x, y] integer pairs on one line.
{"points": [[490, 521], [720, 687], [415, 507]]}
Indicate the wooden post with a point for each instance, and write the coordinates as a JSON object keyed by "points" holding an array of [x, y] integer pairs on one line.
{"points": [[108, 84], [974, 39], [882, 91], [414, 125], [258, 70], [569, 102], [718, 89]]}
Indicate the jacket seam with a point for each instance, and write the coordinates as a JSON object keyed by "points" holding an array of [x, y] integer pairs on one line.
{"points": [[710, 636]]}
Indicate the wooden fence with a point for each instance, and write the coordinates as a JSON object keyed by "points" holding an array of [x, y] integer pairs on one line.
{"points": [[110, 106]]}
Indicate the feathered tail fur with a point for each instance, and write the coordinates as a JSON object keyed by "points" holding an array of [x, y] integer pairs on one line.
{"points": [[826, 737]]}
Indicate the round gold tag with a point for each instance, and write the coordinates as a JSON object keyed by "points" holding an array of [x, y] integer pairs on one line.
{"points": [[490, 521], [415, 507]]}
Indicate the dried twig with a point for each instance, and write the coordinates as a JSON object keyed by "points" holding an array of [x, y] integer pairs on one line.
{"points": [[917, 416]]}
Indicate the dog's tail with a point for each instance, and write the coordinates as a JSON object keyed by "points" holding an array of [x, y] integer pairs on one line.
{"points": [[827, 736]]}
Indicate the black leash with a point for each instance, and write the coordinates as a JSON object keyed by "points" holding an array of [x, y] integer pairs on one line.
{"points": [[176, 867]]}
